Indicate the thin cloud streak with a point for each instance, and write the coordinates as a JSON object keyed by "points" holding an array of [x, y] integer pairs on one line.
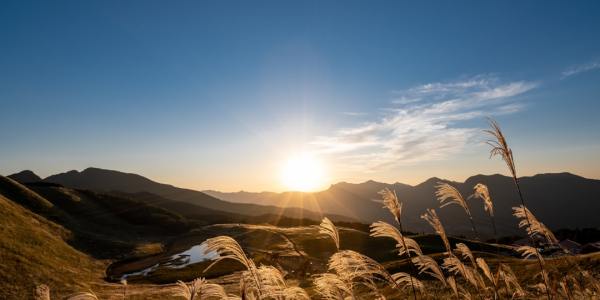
{"points": [[354, 113], [580, 69], [423, 124]]}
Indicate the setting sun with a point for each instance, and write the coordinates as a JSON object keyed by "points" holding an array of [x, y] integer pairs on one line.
{"points": [[304, 173]]}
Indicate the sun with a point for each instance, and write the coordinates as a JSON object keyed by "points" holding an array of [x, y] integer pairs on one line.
{"points": [[303, 172]]}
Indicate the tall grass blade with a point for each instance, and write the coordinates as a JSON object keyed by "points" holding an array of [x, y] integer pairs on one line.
{"points": [[327, 227]]}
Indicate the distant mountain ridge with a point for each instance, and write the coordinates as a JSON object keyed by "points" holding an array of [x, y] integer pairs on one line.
{"points": [[560, 200], [102, 180]]}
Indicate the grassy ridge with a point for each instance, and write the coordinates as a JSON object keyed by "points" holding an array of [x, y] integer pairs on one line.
{"points": [[33, 251]]}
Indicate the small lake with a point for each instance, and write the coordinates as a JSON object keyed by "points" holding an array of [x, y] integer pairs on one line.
{"points": [[195, 254]]}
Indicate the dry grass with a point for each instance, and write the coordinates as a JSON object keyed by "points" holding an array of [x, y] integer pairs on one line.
{"points": [[391, 202], [329, 229], [403, 244], [332, 287], [448, 195], [482, 192], [462, 275], [190, 290], [531, 224], [432, 218], [83, 296]]}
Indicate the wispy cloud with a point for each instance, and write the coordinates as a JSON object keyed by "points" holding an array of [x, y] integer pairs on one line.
{"points": [[423, 123], [574, 70], [354, 113]]}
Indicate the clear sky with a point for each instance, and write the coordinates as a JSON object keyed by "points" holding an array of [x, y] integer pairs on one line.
{"points": [[220, 94]]}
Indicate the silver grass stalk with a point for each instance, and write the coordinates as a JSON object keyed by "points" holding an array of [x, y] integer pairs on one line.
{"points": [[427, 265], [448, 195], [83, 296], [482, 192], [272, 281], [500, 148], [327, 227], [488, 273], [271, 278], [474, 276], [273, 284], [457, 289], [372, 286], [506, 274], [404, 280], [189, 291], [295, 293], [228, 248], [452, 283], [432, 218], [455, 266], [332, 287], [248, 291], [391, 202], [527, 252], [466, 253], [532, 225], [352, 266], [403, 244], [215, 291]]}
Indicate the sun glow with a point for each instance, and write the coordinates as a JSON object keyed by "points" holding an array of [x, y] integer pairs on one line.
{"points": [[304, 173]]}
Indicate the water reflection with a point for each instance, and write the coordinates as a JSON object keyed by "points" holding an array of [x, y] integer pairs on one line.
{"points": [[190, 256]]}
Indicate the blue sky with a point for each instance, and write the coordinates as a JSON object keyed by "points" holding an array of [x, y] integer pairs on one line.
{"points": [[219, 94]]}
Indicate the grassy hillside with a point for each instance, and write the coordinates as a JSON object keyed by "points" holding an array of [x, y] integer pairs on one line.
{"points": [[33, 251], [24, 196], [103, 225]]}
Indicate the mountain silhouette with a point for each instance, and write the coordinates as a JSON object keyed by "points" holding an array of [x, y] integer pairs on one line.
{"points": [[560, 200], [102, 180], [25, 176]]}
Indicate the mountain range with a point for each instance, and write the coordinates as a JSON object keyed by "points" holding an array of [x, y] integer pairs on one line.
{"points": [[560, 200]]}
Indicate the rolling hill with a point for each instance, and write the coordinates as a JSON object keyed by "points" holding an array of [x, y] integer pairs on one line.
{"points": [[101, 180], [102, 225], [33, 250]]}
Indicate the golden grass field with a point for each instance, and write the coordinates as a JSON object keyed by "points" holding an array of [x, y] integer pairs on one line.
{"points": [[303, 262]]}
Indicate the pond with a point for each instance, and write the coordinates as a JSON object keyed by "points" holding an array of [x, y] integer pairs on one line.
{"points": [[195, 254]]}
